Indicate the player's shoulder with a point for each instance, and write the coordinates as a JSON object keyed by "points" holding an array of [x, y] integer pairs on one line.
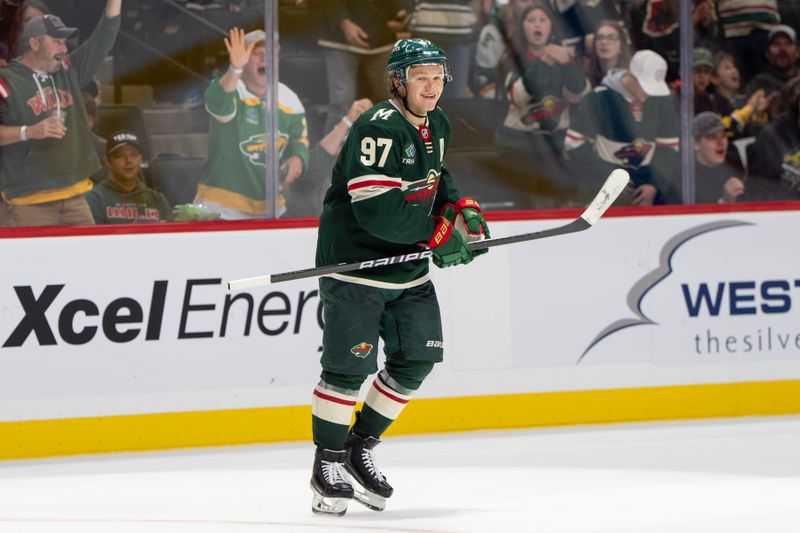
{"points": [[438, 119], [383, 117]]}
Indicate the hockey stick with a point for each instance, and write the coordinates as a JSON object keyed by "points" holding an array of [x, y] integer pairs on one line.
{"points": [[611, 189]]}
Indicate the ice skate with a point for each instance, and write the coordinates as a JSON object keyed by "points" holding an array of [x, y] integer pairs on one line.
{"points": [[369, 485], [332, 492]]}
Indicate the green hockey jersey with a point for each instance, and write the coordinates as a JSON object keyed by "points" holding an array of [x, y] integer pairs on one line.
{"points": [[387, 184], [235, 172]]}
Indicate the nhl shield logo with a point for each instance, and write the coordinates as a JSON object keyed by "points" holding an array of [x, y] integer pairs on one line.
{"points": [[425, 133], [362, 350]]}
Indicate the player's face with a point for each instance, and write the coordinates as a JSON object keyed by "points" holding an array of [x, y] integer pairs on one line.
{"points": [[727, 75], [711, 149], [424, 87], [537, 27], [49, 52], [125, 164]]}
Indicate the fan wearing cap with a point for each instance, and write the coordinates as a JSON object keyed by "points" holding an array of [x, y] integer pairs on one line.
{"points": [[630, 122], [46, 149], [715, 180], [233, 178], [782, 56], [746, 25], [123, 198]]}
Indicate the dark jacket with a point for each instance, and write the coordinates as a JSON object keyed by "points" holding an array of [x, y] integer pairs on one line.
{"points": [[775, 156], [371, 15], [30, 167], [112, 205]]}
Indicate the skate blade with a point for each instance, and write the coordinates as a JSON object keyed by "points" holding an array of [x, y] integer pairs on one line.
{"points": [[366, 498], [328, 506]]}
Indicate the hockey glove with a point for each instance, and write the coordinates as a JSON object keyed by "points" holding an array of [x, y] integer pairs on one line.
{"points": [[472, 224], [449, 247]]}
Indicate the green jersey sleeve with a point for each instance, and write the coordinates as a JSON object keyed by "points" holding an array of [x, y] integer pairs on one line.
{"points": [[220, 104]]}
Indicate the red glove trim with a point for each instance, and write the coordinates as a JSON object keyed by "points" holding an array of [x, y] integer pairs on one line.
{"points": [[443, 230], [468, 202]]}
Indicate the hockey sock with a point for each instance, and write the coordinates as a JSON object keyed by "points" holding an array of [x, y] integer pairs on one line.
{"points": [[331, 413], [385, 401]]}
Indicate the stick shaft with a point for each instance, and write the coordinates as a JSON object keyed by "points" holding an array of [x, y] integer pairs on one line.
{"points": [[576, 225], [611, 189]]}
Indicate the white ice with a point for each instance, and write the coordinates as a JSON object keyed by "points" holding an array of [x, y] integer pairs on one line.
{"points": [[731, 476]]}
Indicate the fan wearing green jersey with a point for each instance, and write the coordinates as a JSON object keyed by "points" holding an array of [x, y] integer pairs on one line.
{"points": [[390, 194], [233, 180]]}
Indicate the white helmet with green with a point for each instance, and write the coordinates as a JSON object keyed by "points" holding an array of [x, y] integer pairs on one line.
{"points": [[409, 52]]}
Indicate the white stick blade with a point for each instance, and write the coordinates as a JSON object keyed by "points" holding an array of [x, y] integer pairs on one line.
{"points": [[249, 283], [612, 188]]}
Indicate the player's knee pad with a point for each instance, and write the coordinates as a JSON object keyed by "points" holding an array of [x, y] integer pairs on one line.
{"points": [[409, 373]]}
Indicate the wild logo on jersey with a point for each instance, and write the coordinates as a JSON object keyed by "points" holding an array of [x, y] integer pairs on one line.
{"points": [[424, 190], [362, 350], [254, 148], [633, 154], [545, 112]]}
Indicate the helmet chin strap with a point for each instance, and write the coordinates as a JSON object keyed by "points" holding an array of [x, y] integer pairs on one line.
{"points": [[405, 104]]}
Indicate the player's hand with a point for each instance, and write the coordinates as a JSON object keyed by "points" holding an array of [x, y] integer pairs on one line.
{"points": [[449, 247], [291, 169], [354, 34], [555, 53], [644, 194], [50, 128], [357, 108], [474, 226], [732, 189], [238, 53]]}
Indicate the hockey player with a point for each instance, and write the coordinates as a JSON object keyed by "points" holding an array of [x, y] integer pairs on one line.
{"points": [[390, 194]]}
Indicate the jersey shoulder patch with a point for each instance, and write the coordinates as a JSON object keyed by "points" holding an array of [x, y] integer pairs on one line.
{"points": [[384, 112], [383, 120]]}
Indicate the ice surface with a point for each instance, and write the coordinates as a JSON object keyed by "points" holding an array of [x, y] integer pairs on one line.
{"points": [[733, 475]]}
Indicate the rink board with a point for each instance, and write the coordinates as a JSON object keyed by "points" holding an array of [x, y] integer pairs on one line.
{"points": [[129, 341]]}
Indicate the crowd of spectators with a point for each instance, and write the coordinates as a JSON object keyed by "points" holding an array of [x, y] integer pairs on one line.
{"points": [[570, 89]]}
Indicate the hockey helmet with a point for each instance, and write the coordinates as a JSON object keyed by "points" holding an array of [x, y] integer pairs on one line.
{"points": [[409, 52]]}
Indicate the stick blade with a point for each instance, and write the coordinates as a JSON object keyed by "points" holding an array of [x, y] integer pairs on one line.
{"points": [[612, 188], [249, 283]]}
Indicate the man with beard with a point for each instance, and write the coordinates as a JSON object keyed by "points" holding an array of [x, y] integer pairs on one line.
{"points": [[46, 150], [233, 182], [781, 65]]}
